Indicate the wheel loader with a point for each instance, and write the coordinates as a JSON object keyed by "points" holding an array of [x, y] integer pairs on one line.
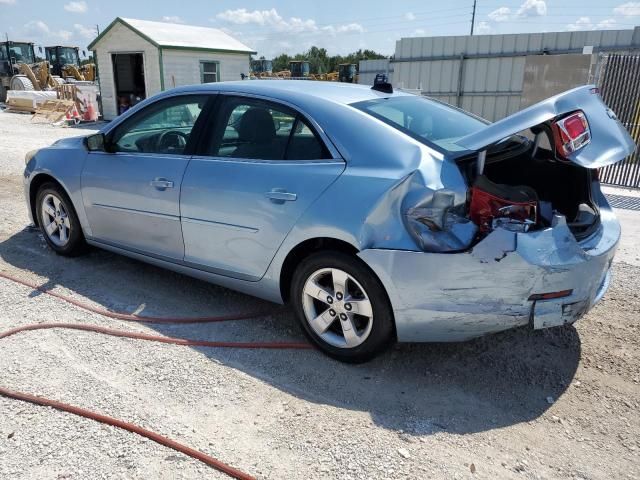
{"points": [[20, 71], [65, 63]]}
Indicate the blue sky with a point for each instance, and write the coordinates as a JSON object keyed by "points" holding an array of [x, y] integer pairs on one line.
{"points": [[341, 26]]}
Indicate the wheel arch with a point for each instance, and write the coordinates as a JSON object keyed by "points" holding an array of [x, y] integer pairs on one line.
{"points": [[303, 250], [36, 182]]}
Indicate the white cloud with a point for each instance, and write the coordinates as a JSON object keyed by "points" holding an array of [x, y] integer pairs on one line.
{"points": [[242, 16], [347, 28], [172, 19], [85, 32], [482, 28], [409, 16], [607, 24], [585, 23], [532, 8], [77, 7], [582, 23], [629, 9], [501, 14], [64, 35], [7, 2], [419, 32], [36, 27], [272, 19]]}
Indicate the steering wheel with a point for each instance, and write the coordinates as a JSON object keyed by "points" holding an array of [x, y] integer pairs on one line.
{"points": [[172, 139]]}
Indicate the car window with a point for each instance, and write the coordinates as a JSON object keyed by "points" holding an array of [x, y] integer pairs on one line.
{"points": [[423, 119], [164, 127], [259, 130], [305, 144]]}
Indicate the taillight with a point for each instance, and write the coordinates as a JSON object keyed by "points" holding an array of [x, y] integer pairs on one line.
{"points": [[571, 133]]}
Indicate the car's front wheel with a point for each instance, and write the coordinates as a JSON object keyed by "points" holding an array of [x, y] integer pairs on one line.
{"points": [[342, 306], [58, 221]]}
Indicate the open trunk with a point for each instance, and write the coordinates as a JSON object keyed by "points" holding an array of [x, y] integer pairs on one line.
{"points": [[522, 184], [556, 186]]}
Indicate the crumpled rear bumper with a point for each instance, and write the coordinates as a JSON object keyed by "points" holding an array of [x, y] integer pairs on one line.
{"points": [[454, 297]]}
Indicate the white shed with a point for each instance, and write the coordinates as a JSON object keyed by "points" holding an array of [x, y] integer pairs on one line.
{"points": [[138, 58]]}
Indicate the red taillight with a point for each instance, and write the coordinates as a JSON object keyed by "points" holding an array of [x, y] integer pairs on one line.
{"points": [[571, 133]]}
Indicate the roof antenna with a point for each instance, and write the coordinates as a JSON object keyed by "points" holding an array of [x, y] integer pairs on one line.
{"points": [[381, 84]]}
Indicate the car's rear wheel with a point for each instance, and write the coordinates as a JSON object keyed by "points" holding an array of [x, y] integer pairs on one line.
{"points": [[58, 221], [342, 306]]}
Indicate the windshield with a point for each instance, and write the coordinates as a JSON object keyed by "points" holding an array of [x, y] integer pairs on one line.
{"points": [[22, 52], [423, 119], [68, 56]]}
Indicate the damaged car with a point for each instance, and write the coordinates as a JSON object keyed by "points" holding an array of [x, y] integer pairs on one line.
{"points": [[380, 216]]}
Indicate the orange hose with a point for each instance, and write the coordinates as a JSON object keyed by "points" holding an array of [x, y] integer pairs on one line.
{"points": [[167, 442]]}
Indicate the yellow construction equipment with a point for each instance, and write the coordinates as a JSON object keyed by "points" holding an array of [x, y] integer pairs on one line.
{"points": [[65, 63]]}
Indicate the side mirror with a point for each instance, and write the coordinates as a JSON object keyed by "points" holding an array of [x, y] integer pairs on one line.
{"points": [[96, 143]]}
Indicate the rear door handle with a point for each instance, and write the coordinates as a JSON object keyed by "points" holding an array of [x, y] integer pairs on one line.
{"points": [[161, 183], [279, 195]]}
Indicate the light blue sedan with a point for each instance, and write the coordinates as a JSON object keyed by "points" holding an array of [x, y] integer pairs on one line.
{"points": [[379, 216]]}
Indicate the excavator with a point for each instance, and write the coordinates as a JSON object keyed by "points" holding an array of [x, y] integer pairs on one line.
{"points": [[19, 69], [65, 63]]}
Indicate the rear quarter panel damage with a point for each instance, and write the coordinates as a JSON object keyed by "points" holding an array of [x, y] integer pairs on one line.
{"points": [[459, 296]]}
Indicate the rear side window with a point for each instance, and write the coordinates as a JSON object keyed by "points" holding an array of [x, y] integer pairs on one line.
{"points": [[259, 130], [423, 119]]}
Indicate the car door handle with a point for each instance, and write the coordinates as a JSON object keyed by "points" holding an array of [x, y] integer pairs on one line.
{"points": [[279, 195], [161, 183]]}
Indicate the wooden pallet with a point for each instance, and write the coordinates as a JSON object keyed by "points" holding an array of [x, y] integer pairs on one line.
{"points": [[53, 111]]}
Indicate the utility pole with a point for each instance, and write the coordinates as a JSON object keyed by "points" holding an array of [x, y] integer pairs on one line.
{"points": [[473, 16]]}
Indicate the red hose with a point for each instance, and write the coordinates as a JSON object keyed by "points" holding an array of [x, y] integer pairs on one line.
{"points": [[26, 397]]}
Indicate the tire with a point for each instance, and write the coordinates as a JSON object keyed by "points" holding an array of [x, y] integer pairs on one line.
{"points": [[21, 82], [339, 331], [63, 217], [3, 93]]}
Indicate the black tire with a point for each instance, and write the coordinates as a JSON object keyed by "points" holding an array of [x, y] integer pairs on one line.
{"points": [[381, 333], [3, 93], [75, 244]]}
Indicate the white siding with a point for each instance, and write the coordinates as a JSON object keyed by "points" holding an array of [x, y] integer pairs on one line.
{"points": [[182, 67], [121, 39]]}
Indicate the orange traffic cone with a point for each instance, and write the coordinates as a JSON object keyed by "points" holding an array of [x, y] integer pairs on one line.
{"points": [[90, 115]]}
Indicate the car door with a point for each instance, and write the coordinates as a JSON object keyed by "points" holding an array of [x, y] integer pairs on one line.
{"points": [[131, 193], [264, 165]]}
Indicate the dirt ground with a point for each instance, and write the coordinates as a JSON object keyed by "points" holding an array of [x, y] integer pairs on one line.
{"points": [[559, 403]]}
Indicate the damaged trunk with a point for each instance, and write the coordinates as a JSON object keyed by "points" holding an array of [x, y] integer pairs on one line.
{"points": [[533, 185]]}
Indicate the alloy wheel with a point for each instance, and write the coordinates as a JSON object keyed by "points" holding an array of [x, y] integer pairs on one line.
{"points": [[337, 308], [55, 219]]}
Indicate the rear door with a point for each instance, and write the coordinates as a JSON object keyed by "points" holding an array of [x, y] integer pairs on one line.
{"points": [[132, 194], [264, 165]]}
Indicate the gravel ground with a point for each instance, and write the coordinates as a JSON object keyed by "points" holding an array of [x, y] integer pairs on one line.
{"points": [[560, 403]]}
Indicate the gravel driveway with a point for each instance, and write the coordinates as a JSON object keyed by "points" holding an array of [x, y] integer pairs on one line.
{"points": [[560, 403]]}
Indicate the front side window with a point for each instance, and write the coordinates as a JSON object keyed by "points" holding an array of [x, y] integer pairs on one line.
{"points": [[259, 130], [21, 52], [164, 127], [423, 119], [208, 72]]}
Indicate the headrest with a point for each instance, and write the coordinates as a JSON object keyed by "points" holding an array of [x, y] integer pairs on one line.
{"points": [[257, 126]]}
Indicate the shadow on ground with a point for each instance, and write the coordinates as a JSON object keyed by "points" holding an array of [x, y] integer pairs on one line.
{"points": [[497, 381]]}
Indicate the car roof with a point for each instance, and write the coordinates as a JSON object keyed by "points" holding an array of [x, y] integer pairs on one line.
{"points": [[292, 90]]}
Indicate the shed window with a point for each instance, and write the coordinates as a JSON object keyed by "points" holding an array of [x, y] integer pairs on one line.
{"points": [[208, 72]]}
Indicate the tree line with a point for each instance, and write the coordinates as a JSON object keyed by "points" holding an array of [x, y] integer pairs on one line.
{"points": [[321, 62]]}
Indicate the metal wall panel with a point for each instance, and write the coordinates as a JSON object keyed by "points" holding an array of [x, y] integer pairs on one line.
{"points": [[494, 65]]}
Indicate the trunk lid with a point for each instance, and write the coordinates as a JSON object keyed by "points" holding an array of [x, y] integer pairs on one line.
{"points": [[610, 141]]}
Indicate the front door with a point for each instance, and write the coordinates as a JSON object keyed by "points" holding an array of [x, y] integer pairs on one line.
{"points": [[264, 166], [132, 194]]}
